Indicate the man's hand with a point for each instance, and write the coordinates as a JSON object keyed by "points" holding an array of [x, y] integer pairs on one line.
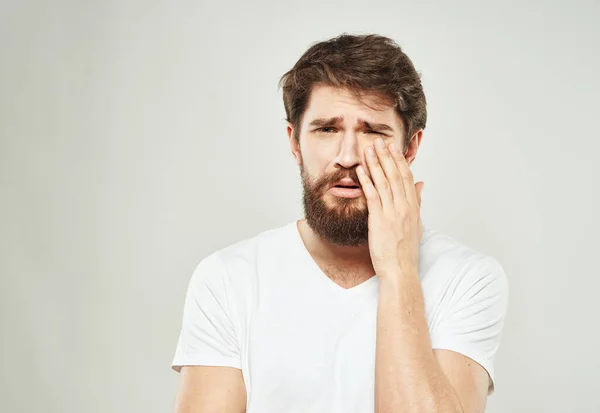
{"points": [[407, 375], [394, 203]]}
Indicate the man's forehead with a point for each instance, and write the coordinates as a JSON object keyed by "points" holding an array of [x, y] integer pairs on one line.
{"points": [[324, 94], [371, 109]]}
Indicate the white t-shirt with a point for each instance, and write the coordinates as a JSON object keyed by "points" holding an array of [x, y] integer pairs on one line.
{"points": [[306, 344]]}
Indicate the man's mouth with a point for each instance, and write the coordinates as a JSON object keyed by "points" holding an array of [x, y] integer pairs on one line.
{"points": [[346, 183], [346, 190]]}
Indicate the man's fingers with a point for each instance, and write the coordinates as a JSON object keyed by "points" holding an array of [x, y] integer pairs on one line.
{"points": [[373, 200], [406, 177], [394, 179], [378, 178]]}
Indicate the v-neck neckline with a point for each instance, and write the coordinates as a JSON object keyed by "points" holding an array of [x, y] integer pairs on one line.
{"points": [[314, 268]]}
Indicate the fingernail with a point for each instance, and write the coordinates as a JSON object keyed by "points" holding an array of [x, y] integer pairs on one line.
{"points": [[380, 143], [393, 148]]}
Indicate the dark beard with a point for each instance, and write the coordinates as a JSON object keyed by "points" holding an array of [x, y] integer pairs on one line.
{"points": [[343, 223]]}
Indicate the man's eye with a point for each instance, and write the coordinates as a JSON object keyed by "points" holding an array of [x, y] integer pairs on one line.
{"points": [[326, 129]]}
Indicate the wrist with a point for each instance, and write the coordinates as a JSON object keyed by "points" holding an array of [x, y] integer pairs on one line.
{"points": [[397, 271]]}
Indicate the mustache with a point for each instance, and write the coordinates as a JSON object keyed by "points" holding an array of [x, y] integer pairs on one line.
{"points": [[339, 175], [322, 184]]}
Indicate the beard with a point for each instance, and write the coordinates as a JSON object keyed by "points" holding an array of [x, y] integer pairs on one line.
{"points": [[345, 221]]}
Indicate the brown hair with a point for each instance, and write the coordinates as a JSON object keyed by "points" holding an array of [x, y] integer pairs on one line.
{"points": [[363, 64]]}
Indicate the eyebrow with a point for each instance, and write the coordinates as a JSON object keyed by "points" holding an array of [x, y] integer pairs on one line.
{"points": [[325, 122]]}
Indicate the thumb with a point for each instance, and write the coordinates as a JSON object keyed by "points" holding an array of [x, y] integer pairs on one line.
{"points": [[419, 191]]}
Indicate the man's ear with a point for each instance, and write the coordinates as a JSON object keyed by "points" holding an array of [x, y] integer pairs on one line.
{"points": [[413, 147], [294, 145]]}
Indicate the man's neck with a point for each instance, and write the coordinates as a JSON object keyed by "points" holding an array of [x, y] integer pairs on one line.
{"points": [[326, 251]]}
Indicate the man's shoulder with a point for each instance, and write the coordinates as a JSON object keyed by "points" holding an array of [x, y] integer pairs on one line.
{"points": [[242, 257], [445, 257]]}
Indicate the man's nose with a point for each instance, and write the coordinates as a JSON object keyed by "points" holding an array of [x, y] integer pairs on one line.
{"points": [[349, 155]]}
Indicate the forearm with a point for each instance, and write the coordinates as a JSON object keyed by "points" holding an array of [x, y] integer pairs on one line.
{"points": [[407, 376]]}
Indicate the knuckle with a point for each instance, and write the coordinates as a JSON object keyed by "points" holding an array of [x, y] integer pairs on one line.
{"points": [[403, 214]]}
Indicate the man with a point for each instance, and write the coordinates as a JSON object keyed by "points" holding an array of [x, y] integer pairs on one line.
{"points": [[358, 307]]}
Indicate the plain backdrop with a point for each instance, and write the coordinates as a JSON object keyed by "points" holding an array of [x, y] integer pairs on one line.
{"points": [[139, 136]]}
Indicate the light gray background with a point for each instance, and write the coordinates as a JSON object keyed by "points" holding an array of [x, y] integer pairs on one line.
{"points": [[139, 136]]}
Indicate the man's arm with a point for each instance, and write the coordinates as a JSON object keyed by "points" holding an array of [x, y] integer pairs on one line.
{"points": [[207, 354], [208, 389], [408, 376], [468, 378]]}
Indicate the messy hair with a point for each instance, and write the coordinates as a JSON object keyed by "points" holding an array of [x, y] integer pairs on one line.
{"points": [[363, 64]]}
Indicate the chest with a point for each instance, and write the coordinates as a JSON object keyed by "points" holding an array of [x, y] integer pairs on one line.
{"points": [[320, 358], [346, 277]]}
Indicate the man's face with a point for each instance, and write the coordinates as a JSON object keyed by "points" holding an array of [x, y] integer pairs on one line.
{"points": [[336, 128]]}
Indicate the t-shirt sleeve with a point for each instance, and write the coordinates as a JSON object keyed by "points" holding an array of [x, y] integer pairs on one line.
{"points": [[207, 336], [473, 320]]}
